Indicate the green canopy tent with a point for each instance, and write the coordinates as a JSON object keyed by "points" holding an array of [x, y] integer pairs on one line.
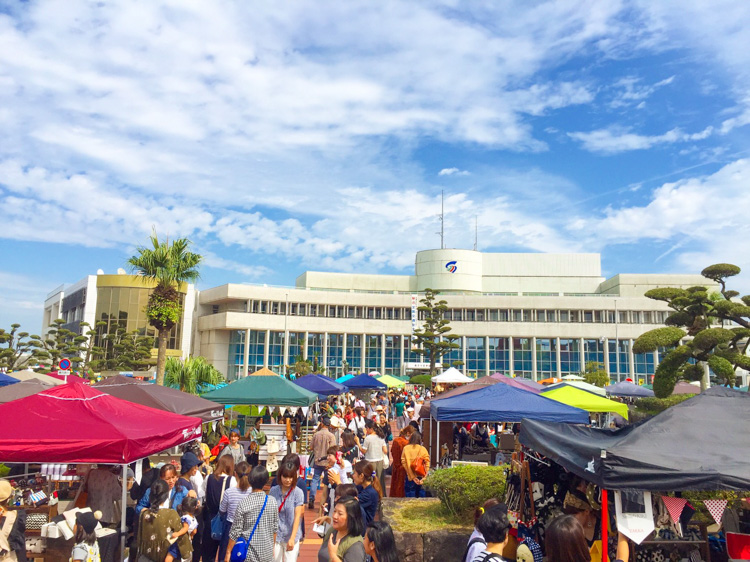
{"points": [[391, 382], [263, 388], [585, 400]]}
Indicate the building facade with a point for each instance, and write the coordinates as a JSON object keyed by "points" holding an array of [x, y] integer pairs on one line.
{"points": [[118, 301], [530, 315]]}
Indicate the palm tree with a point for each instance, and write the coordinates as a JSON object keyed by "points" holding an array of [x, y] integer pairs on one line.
{"points": [[168, 265], [193, 372]]}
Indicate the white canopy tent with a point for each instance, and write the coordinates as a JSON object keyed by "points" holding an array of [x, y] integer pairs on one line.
{"points": [[582, 385], [451, 376]]}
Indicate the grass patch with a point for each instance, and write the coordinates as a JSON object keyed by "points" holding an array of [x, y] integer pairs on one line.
{"points": [[424, 516]]}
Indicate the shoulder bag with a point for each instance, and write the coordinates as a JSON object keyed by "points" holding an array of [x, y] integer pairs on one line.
{"points": [[218, 521], [239, 551]]}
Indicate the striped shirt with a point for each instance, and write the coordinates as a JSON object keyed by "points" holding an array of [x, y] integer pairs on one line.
{"points": [[230, 501]]}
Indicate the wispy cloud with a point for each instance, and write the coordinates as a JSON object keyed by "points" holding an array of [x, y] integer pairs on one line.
{"points": [[453, 172], [616, 139]]}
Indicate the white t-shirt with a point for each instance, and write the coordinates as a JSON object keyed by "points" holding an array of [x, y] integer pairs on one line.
{"points": [[373, 446]]}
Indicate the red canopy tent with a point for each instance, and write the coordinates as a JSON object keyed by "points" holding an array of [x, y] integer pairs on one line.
{"points": [[516, 383], [70, 378], [74, 423]]}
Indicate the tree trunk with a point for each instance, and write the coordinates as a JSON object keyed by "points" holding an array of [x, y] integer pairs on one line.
{"points": [[161, 357]]}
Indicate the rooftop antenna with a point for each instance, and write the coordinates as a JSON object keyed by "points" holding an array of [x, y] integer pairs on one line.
{"points": [[442, 220], [476, 231]]}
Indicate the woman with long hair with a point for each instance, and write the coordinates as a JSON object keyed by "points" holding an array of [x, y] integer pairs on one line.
{"points": [[232, 497], [177, 491], [374, 447], [343, 541], [412, 453], [379, 543], [157, 524], [565, 541], [291, 503], [349, 447], [398, 472], [216, 486], [369, 489]]}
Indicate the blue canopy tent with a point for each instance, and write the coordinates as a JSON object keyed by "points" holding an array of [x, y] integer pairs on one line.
{"points": [[626, 388], [502, 403], [365, 382], [321, 385], [5, 380]]}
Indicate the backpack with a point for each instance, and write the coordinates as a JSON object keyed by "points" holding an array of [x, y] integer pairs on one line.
{"points": [[420, 466], [224, 441], [472, 542]]}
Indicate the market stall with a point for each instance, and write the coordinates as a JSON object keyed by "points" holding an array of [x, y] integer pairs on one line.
{"points": [[585, 400], [21, 390], [581, 385], [523, 384], [391, 382], [321, 385], [629, 390], [6, 380], [161, 397], [27, 375], [496, 403], [79, 424], [451, 376], [699, 444], [266, 389]]}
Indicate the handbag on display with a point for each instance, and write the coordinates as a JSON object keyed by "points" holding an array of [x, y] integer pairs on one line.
{"points": [[239, 551], [273, 446]]}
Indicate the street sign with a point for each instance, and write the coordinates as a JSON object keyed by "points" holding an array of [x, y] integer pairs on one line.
{"points": [[63, 372], [63, 365]]}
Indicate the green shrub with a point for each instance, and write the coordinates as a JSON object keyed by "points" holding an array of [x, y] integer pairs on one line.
{"points": [[462, 488], [653, 406], [424, 380]]}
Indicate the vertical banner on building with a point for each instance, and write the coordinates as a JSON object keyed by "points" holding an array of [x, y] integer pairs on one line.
{"points": [[414, 315]]}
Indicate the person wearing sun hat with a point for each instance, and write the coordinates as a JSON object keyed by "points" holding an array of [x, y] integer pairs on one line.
{"points": [[12, 527]]}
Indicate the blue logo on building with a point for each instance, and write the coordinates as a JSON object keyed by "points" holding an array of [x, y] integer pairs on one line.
{"points": [[451, 266]]}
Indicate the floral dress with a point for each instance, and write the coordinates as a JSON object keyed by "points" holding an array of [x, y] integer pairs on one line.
{"points": [[154, 532]]}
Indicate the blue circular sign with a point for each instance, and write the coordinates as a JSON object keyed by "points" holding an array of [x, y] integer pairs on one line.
{"points": [[64, 365]]}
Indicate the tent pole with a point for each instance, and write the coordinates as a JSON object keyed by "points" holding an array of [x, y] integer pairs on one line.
{"points": [[605, 521], [123, 509], [437, 441]]}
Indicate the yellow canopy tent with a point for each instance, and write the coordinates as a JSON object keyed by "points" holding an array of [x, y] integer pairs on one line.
{"points": [[390, 381], [585, 400]]}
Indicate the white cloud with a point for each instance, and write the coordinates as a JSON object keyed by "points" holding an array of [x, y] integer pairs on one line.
{"points": [[616, 139], [453, 172]]}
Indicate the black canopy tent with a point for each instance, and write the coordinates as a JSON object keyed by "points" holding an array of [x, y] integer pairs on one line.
{"points": [[699, 444]]}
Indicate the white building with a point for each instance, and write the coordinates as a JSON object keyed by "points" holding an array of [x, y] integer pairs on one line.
{"points": [[533, 315]]}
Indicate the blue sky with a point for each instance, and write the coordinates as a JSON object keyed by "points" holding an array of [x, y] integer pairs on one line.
{"points": [[282, 137]]}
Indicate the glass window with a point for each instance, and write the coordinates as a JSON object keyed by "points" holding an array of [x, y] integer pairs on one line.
{"points": [[619, 361], [392, 355], [236, 353], [564, 316], [354, 351], [335, 353], [409, 355], [276, 352], [455, 354], [296, 346], [476, 360], [644, 365], [517, 315], [546, 358], [522, 357], [315, 347], [373, 346], [499, 355], [570, 356], [593, 351], [256, 348]]}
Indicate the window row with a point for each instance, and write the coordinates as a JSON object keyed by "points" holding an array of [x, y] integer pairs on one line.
{"points": [[561, 316]]}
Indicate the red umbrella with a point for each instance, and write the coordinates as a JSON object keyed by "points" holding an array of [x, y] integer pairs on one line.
{"points": [[74, 423]]}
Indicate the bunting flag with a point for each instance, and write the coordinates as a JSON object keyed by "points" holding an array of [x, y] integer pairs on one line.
{"points": [[716, 508], [674, 506], [282, 410], [260, 410], [305, 409]]}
